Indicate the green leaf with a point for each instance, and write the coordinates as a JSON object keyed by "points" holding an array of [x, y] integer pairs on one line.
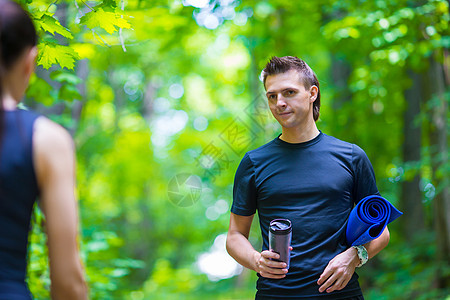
{"points": [[48, 23], [50, 54], [104, 19], [40, 91], [69, 93], [65, 77], [109, 4]]}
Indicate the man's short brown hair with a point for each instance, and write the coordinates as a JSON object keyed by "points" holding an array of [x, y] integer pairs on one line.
{"points": [[278, 65]]}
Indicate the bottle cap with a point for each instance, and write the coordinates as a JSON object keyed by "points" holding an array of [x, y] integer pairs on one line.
{"points": [[280, 226]]}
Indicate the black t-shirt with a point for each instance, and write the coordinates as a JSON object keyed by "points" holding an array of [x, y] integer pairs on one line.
{"points": [[314, 184]]}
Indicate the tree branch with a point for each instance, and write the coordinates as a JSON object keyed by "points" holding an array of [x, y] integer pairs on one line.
{"points": [[122, 42], [86, 5]]}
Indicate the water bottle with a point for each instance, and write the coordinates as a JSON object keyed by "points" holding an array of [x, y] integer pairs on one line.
{"points": [[280, 235]]}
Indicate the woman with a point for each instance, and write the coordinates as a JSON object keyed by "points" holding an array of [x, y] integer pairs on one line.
{"points": [[36, 159]]}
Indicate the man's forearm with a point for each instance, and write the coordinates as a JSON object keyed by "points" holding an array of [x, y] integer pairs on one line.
{"points": [[339, 266], [375, 246], [241, 250]]}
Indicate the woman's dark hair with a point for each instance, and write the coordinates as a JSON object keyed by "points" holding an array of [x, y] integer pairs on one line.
{"points": [[278, 65], [17, 33]]}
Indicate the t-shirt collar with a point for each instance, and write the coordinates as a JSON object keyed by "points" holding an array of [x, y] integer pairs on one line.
{"points": [[280, 142]]}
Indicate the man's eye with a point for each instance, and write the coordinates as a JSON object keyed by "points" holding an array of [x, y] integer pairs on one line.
{"points": [[290, 92], [272, 97]]}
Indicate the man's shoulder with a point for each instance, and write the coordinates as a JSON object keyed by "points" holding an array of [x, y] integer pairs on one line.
{"points": [[255, 156], [263, 150], [334, 140], [340, 144]]}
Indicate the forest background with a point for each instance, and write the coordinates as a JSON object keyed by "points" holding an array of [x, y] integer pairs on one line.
{"points": [[163, 98]]}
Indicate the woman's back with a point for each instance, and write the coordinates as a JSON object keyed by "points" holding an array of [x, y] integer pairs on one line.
{"points": [[18, 192], [35, 155]]}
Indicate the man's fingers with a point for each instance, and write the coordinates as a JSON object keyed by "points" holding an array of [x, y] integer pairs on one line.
{"points": [[272, 263], [269, 259], [270, 254], [272, 276], [268, 267], [332, 280], [338, 272], [344, 284], [338, 285], [324, 276], [327, 284], [271, 271]]}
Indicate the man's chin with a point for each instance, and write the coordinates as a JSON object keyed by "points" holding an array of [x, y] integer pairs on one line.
{"points": [[286, 125], [285, 122]]}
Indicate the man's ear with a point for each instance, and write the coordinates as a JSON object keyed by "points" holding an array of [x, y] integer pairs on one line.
{"points": [[313, 92]]}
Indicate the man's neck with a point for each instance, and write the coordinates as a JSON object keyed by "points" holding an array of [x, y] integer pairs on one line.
{"points": [[299, 135]]}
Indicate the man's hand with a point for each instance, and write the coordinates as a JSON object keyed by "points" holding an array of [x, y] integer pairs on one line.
{"points": [[339, 271], [269, 268]]}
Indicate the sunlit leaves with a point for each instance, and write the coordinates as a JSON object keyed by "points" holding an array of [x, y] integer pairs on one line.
{"points": [[49, 24], [65, 77], [104, 268], [40, 91], [50, 54], [38, 272], [109, 21]]}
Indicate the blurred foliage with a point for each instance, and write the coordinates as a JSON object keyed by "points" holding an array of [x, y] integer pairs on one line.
{"points": [[154, 89]]}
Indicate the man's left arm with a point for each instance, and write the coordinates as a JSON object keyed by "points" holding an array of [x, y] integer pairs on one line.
{"points": [[340, 269]]}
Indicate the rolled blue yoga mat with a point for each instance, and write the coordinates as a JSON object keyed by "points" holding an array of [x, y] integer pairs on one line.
{"points": [[369, 218]]}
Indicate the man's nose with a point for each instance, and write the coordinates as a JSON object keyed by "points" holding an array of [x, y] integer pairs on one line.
{"points": [[280, 101]]}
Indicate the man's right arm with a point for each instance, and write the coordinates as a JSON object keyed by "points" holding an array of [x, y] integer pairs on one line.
{"points": [[239, 247]]}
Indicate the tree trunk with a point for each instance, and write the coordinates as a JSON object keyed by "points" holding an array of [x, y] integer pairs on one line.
{"points": [[340, 74], [82, 71], [439, 154], [411, 197], [148, 101]]}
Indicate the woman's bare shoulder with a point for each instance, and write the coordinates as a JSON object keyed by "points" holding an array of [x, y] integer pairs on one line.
{"points": [[51, 137], [53, 150]]}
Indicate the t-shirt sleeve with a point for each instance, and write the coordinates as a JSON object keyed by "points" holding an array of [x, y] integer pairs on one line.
{"points": [[364, 180], [244, 189]]}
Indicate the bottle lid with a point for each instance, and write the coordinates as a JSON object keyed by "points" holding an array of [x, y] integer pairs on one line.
{"points": [[280, 226]]}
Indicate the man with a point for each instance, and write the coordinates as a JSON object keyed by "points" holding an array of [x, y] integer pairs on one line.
{"points": [[310, 178]]}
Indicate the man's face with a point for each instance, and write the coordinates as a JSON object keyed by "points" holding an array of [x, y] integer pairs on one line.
{"points": [[290, 102]]}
